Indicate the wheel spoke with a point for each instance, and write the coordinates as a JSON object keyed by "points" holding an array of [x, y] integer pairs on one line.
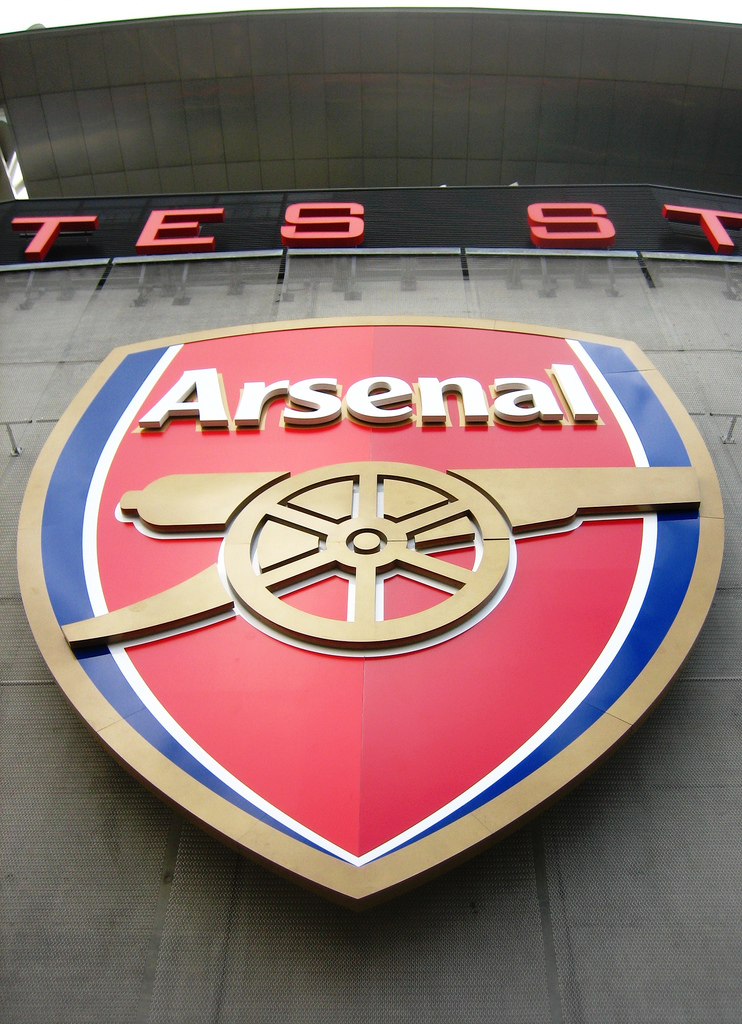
{"points": [[436, 517], [367, 493], [300, 520], [434, 568], [447, 535], [365, 594], [296, 571]]}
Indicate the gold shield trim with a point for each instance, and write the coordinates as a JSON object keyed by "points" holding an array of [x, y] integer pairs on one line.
{"points": [[408, 866]]}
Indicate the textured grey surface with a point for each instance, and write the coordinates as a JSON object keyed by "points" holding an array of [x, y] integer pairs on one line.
{"points": [[373, 285], [141, 301], [598, 295], [240, 943], [623, 901], [700, 302], [20, 660], [645, 863], [82, 848], [39, 310]]}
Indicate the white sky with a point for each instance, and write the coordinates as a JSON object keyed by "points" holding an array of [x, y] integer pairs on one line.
{"points": [[20, 15]]}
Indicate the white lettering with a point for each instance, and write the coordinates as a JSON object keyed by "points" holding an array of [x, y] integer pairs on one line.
{"points": [[254, 398], [575, 393], [433, 406], [373, 400], [317, 400], [208, 404], [523, 400]]}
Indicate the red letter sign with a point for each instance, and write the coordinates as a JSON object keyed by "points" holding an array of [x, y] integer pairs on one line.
{"points": [[177, 231], [318, 224], [570, 226], [47, 229], [712, 222]]}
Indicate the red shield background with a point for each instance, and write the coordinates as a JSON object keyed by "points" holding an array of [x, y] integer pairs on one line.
{"points": [[358, 750]]}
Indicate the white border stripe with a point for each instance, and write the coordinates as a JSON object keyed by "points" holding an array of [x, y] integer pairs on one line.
{"points": [[97, 482], [629, 430]]}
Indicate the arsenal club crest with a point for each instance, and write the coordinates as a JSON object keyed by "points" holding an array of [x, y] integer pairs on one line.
{"points": [[361, 596]]}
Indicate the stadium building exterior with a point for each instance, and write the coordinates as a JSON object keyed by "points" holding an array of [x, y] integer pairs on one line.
{"points": [[623, 900]]}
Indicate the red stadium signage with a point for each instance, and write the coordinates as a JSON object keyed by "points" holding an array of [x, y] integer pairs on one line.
{"points": [[362, 597], [178, 231], [46, 230], [570, 225], [323, 224], [337, 224], [713, 222]]}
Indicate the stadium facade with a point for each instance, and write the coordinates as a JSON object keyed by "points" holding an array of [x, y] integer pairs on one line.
{"points": [[622, 901]]}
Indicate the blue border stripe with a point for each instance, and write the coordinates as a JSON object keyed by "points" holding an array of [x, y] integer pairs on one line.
{"points": [[61, 545], [657, 432], [64, 508], [675, 559]]}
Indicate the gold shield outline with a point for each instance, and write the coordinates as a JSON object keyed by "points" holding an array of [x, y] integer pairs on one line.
{"points": [[359, 887]]}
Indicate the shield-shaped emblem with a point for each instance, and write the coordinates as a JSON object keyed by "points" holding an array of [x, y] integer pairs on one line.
{"points": [[359, 597]]}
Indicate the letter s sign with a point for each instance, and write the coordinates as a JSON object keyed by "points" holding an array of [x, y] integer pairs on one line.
{"points": [[322, 224], [570, 226]]}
